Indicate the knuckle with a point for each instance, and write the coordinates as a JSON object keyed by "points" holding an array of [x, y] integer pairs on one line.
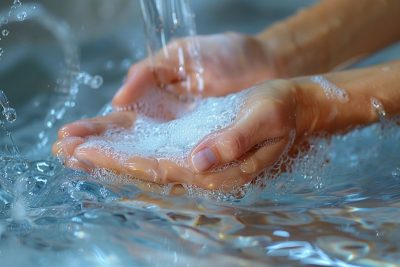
{"points": [[235, 144]]}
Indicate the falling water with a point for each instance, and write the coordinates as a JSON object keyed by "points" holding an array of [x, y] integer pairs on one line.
{"points": [[165, 22]]}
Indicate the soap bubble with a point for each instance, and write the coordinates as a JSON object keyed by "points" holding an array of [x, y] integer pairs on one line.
{"points": [[22, 16], [10, 114], [96, 82], [396, 174], [5, 32]]}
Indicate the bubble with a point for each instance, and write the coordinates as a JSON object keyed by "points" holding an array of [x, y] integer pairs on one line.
{"points": [[378, 107], [173, 139], [10, 114], [17, 3], [96, 82], [5, 32], [331, 91], [22, 16], [396, 174]]}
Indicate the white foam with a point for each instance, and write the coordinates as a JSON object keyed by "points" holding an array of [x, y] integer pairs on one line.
{"points": [[331, 91], [172, 139]]}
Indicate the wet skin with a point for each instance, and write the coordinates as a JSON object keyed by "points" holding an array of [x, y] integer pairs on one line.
{"points": [[274, 110]]}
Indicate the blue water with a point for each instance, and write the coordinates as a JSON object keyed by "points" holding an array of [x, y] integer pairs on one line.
{"points": [[339, 207]]}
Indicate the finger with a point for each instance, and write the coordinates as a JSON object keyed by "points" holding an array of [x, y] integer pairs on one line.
{"points": [[142, 78], [191, 85], [101, 155], [161, 171], [250, 166], [257, 122], [97, 125], [65, 147], [75, 164]]}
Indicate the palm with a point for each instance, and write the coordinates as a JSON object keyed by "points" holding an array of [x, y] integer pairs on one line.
{"points": [[256, 139], [230, 62]]}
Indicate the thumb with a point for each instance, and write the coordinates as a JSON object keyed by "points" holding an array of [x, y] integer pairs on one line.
{"points": [[263, 122]]}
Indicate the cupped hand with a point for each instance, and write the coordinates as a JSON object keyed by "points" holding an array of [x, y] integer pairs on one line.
{"points": [[262, 131], [229, 62]]}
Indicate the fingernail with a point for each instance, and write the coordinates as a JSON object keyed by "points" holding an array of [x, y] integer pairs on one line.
{"points": [[204, 159]]}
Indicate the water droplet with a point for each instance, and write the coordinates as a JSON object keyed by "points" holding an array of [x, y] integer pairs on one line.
{"points": [[378, 107], [17, 2], [5, 32], [22, 16], [396, 173], [96, 82], [45, 167], [10, 114]]}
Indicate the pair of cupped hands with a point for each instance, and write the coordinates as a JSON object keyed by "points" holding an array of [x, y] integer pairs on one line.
{"points": [[231, 62]]}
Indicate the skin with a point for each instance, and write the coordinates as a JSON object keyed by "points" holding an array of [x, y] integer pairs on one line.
{"points": [[274, 110]]}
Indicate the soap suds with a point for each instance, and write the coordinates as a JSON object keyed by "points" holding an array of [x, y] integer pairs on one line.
{"points": [[174, 139], [331, 91]]}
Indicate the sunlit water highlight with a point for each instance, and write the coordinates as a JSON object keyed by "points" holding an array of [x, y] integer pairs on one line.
{"points": [[339, 207]]}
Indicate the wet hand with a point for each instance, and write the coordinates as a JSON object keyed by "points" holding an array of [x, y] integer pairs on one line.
{"points": [[230, 63], [261, 133]]}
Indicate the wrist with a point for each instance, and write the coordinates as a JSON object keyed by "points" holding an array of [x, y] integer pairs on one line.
{"points": [[278, 46], [251, 51], [308, 109]]}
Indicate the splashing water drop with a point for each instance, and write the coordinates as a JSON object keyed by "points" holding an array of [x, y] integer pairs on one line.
{"points": [[96, 82], [22, 16], [396, 174], [5, 32], [9, 113], [17, 2]]}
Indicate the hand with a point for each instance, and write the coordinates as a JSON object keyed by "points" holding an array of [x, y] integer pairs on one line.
{"points": [[230, 62], [261, 133]]}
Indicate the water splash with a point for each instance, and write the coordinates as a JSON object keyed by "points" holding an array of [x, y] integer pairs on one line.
{"points": [[339, 207], [5, 19], [68, 85], [9, 113]]}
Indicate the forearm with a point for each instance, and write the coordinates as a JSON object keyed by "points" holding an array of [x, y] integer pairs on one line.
{"points": [[331, 33], [365, 89]]}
